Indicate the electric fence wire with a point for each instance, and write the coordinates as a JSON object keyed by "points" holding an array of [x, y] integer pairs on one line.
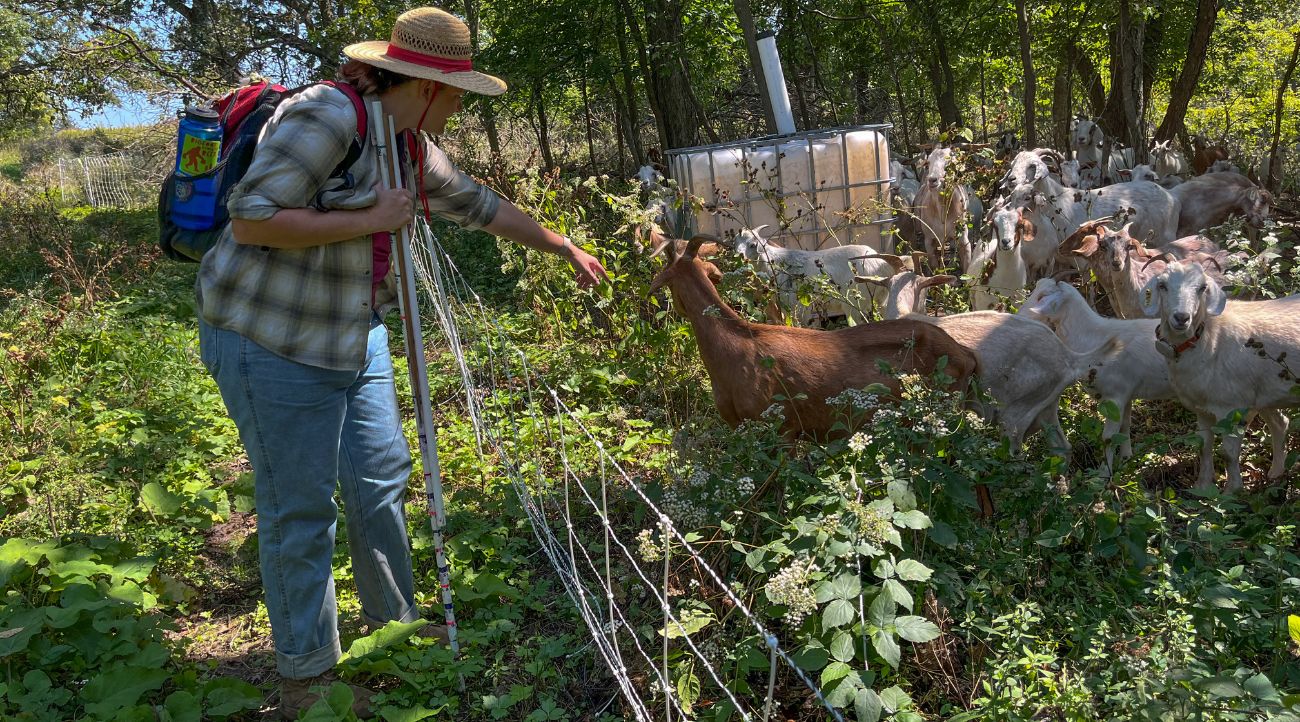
{"points": [[451, 295]]}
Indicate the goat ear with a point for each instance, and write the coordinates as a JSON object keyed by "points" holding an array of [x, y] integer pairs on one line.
{"points": [[1047, 305], [1150, 302], [1088, 247], [1095, 130], [938, 280], [1215, 299]]}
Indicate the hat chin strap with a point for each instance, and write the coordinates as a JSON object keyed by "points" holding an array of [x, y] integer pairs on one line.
{"points": [[418, 148]]}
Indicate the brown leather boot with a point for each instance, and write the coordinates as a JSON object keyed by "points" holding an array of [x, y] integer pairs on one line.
{"points": [[439, 632], [298, 695]]}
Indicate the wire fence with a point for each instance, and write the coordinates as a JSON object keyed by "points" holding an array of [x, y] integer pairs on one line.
{"points": [[116, 180], [527, 430]]}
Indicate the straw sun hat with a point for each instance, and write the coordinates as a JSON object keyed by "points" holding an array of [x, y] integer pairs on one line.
{"points": [[432, 44]]}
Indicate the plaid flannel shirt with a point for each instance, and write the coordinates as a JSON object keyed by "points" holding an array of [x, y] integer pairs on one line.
{"points": [[313, 305]]}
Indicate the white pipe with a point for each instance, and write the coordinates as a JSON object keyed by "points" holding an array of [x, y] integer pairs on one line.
{"points": [[776, 91]]}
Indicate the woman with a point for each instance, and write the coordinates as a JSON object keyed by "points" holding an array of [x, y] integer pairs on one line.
{"points": [[289, 329]]}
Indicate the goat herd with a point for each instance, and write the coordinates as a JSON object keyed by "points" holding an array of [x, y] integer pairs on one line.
{"points": [[1177, 335]]}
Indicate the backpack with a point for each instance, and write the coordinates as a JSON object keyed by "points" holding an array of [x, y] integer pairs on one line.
{"points": [[243, 112]]}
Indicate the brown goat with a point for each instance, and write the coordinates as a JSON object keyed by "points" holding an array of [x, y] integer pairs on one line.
{"points": [[751, 364]]}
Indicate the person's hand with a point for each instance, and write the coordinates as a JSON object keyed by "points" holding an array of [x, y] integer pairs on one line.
{"points": [[394, 208], [588, 269]]}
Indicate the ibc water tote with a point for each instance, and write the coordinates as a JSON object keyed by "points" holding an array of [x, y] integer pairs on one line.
{"points": [[198, 150]]}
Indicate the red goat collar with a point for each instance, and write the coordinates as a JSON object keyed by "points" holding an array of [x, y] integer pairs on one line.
{"points": [[1183, 347]]}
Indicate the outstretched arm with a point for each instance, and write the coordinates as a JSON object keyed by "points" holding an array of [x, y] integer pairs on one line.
{"points": [[515, 225]]}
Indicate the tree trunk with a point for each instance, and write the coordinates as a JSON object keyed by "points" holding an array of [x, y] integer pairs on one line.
{"points": [[1152, 36], [746, 17], [629, 97], [1274, 157], [1122, 118], [1061, 90], [543, 126], [1091, 80], [938, 64], [678, 119], [485, 115], [1031, 81], [586, 115], [1180, 95]]}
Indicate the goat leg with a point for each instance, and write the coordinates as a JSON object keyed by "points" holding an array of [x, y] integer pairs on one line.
{"points": [[1205, 425], [1277, 428]]}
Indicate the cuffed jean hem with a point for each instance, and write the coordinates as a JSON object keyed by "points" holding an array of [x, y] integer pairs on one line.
{"points": [[411, 615], [311, 664]]}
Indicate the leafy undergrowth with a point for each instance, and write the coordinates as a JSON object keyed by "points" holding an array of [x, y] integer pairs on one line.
{"points": [[129, 559]]}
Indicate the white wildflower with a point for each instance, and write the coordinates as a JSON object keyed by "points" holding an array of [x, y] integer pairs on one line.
{"points": [[859, 442], [792, 587]]}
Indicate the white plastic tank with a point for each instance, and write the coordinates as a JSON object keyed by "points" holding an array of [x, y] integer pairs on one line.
{"points": [[813, 190]]}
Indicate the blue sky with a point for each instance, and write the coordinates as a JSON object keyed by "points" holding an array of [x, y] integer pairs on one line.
{"points": [[134, 109]]}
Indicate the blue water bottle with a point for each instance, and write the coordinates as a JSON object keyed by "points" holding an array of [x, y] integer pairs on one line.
{"points": [[198, 151]]}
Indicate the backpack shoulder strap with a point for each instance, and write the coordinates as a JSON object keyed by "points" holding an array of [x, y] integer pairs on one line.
{"points": [[363, 124]]}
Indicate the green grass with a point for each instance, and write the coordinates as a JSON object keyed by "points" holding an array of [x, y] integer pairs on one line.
{"points": [[128, 553]]}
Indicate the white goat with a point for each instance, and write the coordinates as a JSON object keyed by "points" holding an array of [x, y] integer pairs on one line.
{"points": [[1140, 172], [1137, 372], [1224, 356], [1155, 211], [1210, 199], [1010, 272], [1024, 366], [1070, 174], [942, 208], [788, 266], [1086, 139], [1169, 161]]}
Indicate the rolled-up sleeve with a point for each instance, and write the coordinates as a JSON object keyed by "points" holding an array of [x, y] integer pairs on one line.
{"points": [[303, 143], [454, 195]]}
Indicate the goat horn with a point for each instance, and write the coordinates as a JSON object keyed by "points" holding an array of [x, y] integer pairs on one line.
{"points": [[897, 263], [1211, 259], [874, 280], [918, 257], [698, 240], [1159, 257], [1062, 275]]}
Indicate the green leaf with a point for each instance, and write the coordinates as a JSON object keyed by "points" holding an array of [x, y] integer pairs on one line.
{"points": [[898, 593], [689, 621], [383, 638], [1261, 687], [838, 613], [1293, 626], [486, 586], [1109, 409], [847, 586], [884, 569], [811, 658], [108, 693], [159, 501], [844, 690], [916, 629], [914, 519], [19, 630], [868, 705], [881, 612], [688, 691], [414, 714], [886, 647], [335, 704], [900, 492], [895, 699], [834, 671], [226, 696], [183, 706], [842, 646], [1222, 687], [943, 535], [911, 570]]}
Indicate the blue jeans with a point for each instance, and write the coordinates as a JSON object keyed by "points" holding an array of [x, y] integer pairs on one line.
{"points": [[309, 430]]}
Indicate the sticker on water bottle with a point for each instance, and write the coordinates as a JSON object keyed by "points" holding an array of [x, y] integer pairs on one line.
{"points": [[184, 190], [199, 156]]}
